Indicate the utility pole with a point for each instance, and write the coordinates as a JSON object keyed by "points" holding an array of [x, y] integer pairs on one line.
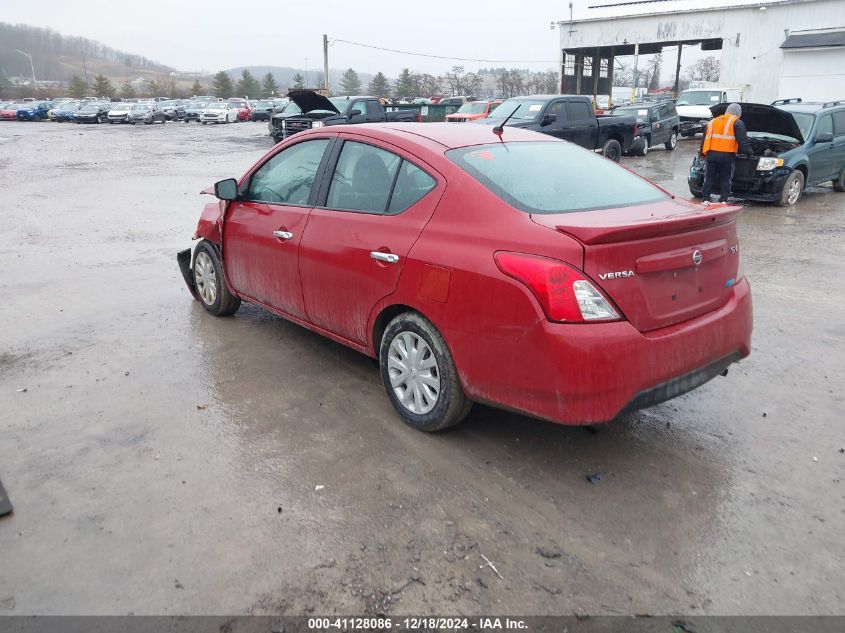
{"points": [[306, 72], [32, 66], [326, 63], [84, 67]]}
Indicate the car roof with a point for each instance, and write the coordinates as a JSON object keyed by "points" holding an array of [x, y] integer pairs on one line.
{"points": [[444, 134], [812, 106]]}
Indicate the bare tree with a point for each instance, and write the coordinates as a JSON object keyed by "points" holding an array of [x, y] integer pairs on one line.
{"points": [[705, 69]]}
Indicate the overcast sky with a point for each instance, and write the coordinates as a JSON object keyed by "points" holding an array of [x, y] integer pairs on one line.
{"points": [[228, 33]]}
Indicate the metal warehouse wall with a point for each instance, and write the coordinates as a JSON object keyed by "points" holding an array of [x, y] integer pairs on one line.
{"points": [[751, 53]]}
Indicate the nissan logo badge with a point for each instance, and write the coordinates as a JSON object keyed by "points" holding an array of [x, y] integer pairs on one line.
{"points": [[696, 257]]}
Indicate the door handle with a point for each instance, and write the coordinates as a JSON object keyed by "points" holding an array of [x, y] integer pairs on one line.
{"points": [[283, 235], [389, 258]]}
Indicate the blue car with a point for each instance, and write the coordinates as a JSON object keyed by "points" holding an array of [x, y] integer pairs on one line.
{"points": [[34, 111], [66, 111], [795, 144]]}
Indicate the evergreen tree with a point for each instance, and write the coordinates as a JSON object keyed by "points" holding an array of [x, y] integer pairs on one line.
{"points": [[154, 89], [103, 87], [269, 87], [77, 87], [405, 84], [247, 85], [197, 88], [379, 86], [298, 81], [222, 85], [350, 84], [127, 91]]}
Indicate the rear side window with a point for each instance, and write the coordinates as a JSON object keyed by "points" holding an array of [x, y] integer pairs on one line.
{"points": [[363, 178], [288, 176], [411, 185], [577, 111], [553, 177], [372, 180], [839, 123]]}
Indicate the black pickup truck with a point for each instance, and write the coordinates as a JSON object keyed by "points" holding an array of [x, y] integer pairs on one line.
{"points": [[319, 111], [570, 117]]}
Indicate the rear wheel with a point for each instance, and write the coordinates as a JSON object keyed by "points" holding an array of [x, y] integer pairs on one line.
{"points": [[792, 189], [672, 143], [839, 183], [612, 150], [213, 293], [419, 375]]}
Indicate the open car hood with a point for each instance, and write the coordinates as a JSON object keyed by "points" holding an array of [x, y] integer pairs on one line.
{"points": [[309, 100], [760, 117]]}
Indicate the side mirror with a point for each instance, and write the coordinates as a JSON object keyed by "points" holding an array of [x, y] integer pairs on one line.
{"points": [[355, 112], [824, 137], [549, 119], [226, 189]]}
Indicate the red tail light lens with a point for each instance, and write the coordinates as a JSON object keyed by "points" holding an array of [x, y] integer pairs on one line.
{"points": [[564, 292]]}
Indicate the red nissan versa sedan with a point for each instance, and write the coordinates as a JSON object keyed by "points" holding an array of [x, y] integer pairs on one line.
{"points": [[515, 270]]}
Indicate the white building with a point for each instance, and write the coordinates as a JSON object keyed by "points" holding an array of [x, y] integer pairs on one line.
{"points": [[769, 49]]}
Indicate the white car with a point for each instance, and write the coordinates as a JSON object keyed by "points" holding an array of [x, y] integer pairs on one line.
{"points": [[219, 112], [119, 113]]}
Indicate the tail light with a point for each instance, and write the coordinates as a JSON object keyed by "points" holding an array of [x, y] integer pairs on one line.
{"points": [[565, 293], [419, 116]]}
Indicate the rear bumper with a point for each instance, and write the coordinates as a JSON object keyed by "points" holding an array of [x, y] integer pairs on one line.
{"points": [[762, 186], [590, 373]]}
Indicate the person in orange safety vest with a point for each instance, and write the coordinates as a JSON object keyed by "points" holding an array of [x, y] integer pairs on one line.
{"points": [[724, 137]]}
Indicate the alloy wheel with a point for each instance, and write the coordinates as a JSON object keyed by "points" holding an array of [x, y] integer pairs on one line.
{"points": [[413, 371], [794, 191], [205, 278]]}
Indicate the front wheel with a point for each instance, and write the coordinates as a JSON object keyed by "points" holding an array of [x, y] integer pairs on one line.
{"points": [[419, 375], [792, 189], [213, 293], [672, 143], [612, 150]]}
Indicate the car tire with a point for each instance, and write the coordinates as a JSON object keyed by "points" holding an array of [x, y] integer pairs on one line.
{"points": [[210, 285], [435, 392], [612, 150], [839, 183], [792, 189], [672, 143], [646, 147]]}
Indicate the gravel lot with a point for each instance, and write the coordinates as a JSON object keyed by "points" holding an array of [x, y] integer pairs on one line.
{"points": [[162, 461]]}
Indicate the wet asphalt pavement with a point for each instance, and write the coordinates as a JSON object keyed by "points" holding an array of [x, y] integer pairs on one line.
{"points": [[162, 461]]}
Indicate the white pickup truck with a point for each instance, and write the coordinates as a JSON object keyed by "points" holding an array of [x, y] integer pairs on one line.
{"points": [[694, 105]]}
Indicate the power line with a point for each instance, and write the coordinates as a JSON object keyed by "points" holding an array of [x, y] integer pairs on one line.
{"points": [[459, 59]]}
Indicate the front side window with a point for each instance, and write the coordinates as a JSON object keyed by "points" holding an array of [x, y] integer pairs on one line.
{"points": [[825, 125], [572, 178], [288, 176], [363, 178]]}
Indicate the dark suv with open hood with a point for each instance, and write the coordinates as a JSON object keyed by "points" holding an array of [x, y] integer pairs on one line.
{"points": [[320, 111], [794, 144]]}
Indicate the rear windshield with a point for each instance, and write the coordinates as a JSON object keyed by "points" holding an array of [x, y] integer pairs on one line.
{"points": [[553, 177]]}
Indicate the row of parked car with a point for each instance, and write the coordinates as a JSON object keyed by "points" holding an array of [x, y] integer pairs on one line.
{"points": [[205, 109]]}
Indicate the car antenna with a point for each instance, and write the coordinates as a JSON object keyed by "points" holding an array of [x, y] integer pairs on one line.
{"points": [[501, 127]]}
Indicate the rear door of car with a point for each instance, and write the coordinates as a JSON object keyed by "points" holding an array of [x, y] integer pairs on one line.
{"points": [[658, 125], [583, 126], [372, 206], [823, 164]]}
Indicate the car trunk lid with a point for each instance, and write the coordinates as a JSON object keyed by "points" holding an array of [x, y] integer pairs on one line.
{"points": [[661, 263]]}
